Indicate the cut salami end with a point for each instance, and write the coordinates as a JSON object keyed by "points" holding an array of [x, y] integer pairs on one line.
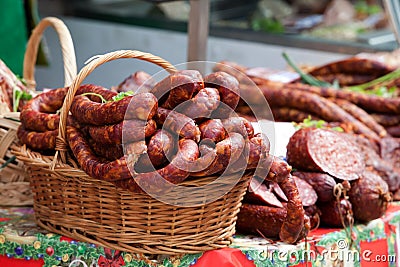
{"points": [[307, 193], [326, 151]]}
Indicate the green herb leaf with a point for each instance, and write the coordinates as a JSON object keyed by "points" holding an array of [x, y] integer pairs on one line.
{"points": [[309, 79], [19, 95], [122, 95], [310, 123]]}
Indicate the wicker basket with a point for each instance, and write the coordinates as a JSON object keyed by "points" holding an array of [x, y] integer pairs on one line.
{"points": [[69, 202], [14, 181]]}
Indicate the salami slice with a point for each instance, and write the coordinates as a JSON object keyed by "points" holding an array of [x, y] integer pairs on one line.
{"points": [[260, 194], [327, 151], [307, 193]]}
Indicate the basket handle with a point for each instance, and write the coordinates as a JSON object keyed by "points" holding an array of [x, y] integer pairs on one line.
{"points": [[67, 48], [61, 143]]}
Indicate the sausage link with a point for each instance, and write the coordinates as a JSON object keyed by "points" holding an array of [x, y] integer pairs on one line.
{"points": [[141, 106], [178, 88], [124, 132], [239, 125], [386, 119], [159, 149], [37, 140], [227, 85], [109, 152], [93, 165], [202, 104], [175, 172], [227, 152], [291, 114], [362, 116], [178, 123], [39, 114], [322, 183], [212, 129], [294, 221]]}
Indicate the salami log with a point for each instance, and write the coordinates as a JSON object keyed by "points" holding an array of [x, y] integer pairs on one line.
{"points": [[332, 215], [141, 106], [321, 150], [322, 183], [177, 123], [369, 197], [124, 132]]}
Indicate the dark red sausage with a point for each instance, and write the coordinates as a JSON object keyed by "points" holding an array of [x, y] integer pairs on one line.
{"points": [[227, 152], [212, 129], [178, 88], [227, 85], [177, 123], [158, 181], [111, 171], [321, 150], [159, 149], [124, 132], [369, 197], [322, 183], [91, 90], [332, 214], [238, 125], [141, 106], [265, 221], [294, 221], [202, 104], [39, 114], [109, 152], [37, 140]]}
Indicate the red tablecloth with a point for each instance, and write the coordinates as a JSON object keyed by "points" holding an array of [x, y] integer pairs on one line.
{"points": [[22, 243]]}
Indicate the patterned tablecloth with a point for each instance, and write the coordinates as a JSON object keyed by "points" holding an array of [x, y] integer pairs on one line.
{"points": [[22, 243]]}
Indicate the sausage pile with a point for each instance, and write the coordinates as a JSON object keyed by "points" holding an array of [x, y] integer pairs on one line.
{"points": [[372, 120], [183, 126]]}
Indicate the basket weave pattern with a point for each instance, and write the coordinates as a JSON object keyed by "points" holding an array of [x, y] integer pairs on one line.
{"points": [[69, 202]]}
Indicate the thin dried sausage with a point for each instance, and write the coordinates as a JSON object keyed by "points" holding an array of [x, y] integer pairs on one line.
{"points": [[177, 123], [201, 105], [213, 130], [141, 106], [124, 132]]}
